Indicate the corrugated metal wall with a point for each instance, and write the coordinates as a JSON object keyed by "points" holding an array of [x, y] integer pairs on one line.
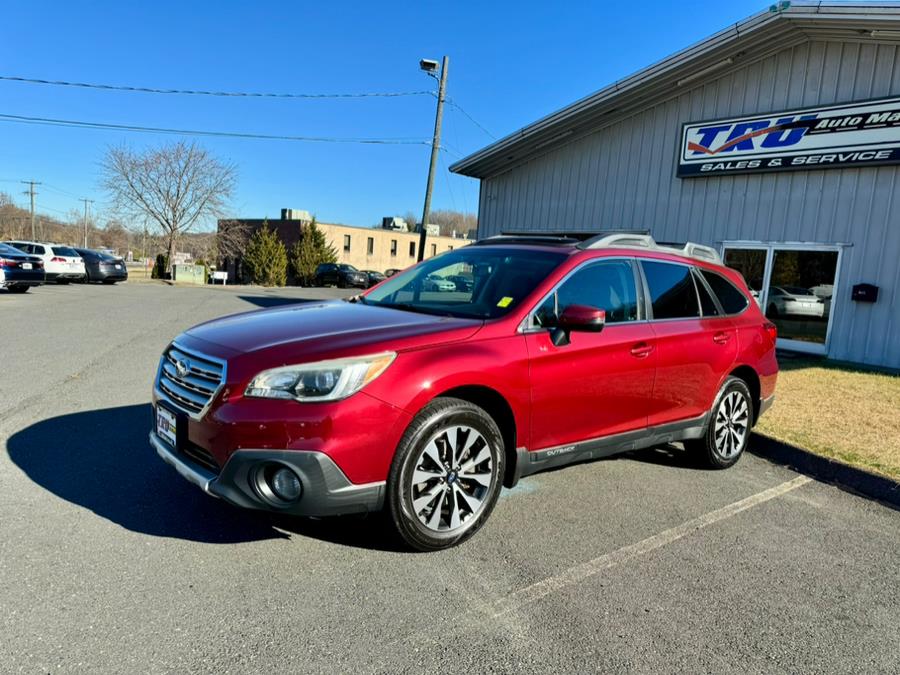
{"points": [[623, 176]]}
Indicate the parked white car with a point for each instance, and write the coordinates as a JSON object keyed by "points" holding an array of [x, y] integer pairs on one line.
{"points": [[794, 301], [62, 264], [440, 284]]}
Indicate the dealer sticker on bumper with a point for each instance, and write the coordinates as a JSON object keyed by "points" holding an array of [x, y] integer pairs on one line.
{"points": [[165, 426]]}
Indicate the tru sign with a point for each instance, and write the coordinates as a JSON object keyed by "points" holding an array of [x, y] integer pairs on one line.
{"points": [[750, 136]]}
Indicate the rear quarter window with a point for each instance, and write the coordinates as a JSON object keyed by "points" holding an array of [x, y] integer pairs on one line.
{"points": [[733, 301]]}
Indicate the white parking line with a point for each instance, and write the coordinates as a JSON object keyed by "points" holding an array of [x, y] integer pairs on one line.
{"points": [[587, 569], [530, 594]]}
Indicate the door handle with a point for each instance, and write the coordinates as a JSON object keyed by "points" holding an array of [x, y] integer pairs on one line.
{"points": [[641, 350], [721, 338]]}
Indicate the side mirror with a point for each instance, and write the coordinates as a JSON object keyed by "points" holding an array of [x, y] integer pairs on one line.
{"points": [[577, 318]]}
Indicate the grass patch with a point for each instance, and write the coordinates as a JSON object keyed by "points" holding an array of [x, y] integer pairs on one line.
{"points": [[840, 411]]}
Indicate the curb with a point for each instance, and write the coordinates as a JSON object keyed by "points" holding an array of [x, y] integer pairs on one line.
{"points": [[844, 476]]}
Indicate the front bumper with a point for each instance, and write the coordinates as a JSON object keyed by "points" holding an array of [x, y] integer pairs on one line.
{"points": [[326, 490]]}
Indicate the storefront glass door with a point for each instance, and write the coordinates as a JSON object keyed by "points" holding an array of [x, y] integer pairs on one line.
{"points": [[794, 285]]}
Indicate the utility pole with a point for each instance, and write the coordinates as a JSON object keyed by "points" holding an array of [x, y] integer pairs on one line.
{"points": [[86, 202], [30, 191], [435, 146]]}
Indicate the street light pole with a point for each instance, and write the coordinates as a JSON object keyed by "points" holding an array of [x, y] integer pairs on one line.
{"points": [[435, 149], [86, 202]]}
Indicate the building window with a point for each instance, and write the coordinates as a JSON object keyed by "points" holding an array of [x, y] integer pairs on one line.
{"points": [[433, 250], [346, 242], [412, 249], [393, 247], [370, 246]]}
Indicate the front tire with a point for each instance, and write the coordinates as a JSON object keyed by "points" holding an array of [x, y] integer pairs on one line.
{"points": [[730, 422], [18, 289], [446, 475]]}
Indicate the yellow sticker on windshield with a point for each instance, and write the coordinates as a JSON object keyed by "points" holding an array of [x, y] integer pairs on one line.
{"points": [[505, 301]]}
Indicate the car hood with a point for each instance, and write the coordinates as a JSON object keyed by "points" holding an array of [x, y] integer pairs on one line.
{"points": [[309, 331]]}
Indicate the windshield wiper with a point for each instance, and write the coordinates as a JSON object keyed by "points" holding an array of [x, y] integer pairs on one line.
{"points": [[419, 309]]}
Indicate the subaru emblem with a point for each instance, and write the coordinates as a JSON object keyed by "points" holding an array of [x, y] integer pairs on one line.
{"points": [[182, 367]]}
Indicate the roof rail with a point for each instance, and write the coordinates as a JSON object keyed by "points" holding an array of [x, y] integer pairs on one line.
{"points": [[645, 241], [692, 250], [621, 239], [545, 238]]}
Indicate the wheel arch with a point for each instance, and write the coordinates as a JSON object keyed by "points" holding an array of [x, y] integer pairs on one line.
{"points": [[494, 404], [751, 378]]}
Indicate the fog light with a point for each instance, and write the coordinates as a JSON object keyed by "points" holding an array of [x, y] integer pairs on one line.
{"points": [[286, 485]]}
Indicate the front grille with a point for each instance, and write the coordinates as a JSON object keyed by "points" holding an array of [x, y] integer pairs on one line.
{"points": [[201, 456], [200, 379]]}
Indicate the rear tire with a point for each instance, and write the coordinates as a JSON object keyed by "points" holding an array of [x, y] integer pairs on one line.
{"points": [[18, 289], [728, 430], [446, 475]]}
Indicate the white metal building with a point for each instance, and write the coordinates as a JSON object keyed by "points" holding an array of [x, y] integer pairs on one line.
{"points": [[776, 140]]}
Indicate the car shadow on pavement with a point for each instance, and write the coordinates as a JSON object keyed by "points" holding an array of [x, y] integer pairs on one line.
{"points": [[670, 454], [102, 461]]}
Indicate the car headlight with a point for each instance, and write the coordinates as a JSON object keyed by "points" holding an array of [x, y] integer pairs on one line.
{"points": [[321, 381]]}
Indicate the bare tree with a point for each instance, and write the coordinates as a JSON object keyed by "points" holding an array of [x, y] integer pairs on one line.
{"points": [[231, 238], [175, 186], [463, 224]]}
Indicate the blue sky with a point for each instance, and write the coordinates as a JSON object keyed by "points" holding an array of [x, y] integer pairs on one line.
{"points": [[510, 63]]}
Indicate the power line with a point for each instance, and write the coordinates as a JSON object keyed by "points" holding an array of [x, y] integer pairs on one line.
{"points": [[471, 119], [201, 132], [59, 190], [197, 92]]}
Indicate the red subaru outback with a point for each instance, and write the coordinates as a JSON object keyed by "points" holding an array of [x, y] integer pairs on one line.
{"points": [[466, 372]]}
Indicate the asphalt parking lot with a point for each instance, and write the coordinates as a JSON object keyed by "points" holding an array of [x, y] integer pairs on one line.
{"points": [[110, 561]]}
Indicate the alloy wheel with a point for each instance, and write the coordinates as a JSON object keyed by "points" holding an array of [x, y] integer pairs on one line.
{"points": [[452, 478], [732, 424]]}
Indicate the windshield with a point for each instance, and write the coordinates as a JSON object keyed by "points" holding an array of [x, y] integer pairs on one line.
{"points": [[348, 268], [472, 282], [65, 251]]}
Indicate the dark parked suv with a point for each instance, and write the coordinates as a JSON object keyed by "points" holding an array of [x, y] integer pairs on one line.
{"points": [[340, 275], [425, 402]]}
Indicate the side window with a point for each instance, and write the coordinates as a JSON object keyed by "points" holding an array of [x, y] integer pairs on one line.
{"points": [[730, 297], [608, 285], [672, 292], [707, 304]]}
